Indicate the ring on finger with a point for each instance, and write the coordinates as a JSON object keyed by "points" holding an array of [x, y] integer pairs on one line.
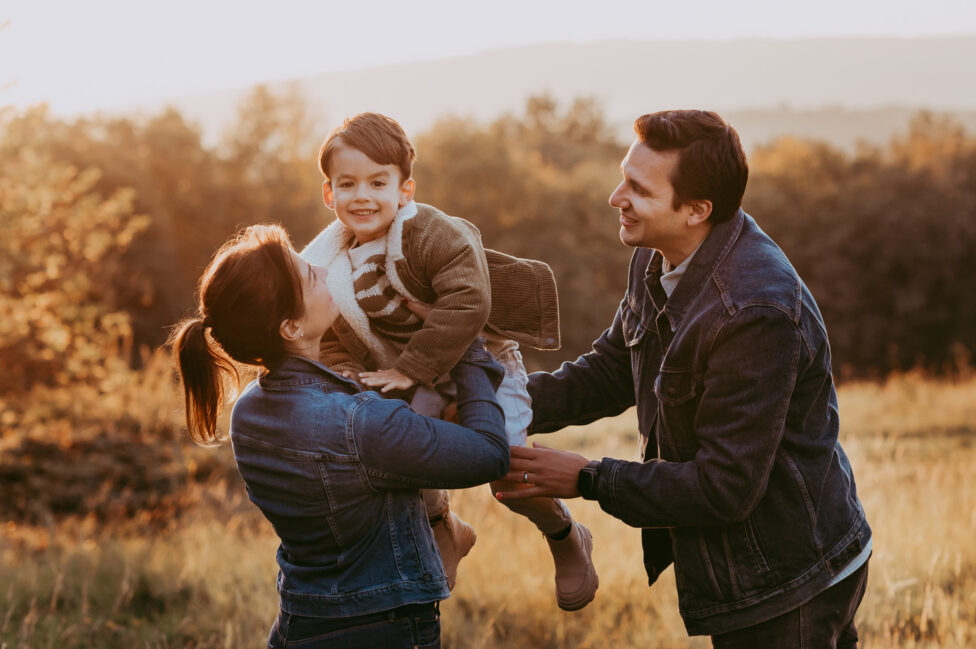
{"points": [[525, 477]]}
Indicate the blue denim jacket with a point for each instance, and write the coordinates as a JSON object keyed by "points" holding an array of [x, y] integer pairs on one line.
{"points": [[738, 421], [338, 473]]}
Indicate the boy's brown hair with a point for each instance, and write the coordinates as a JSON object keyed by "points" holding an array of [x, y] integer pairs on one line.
{"points": [[379, 137]]}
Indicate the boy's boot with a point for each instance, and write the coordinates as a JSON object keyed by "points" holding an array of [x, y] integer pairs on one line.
{"points": [[576, 580], [454, 539]]}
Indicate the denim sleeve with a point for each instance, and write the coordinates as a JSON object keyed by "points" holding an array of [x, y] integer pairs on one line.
{"points": [[401, 449], [739, 424], [597, 384]]}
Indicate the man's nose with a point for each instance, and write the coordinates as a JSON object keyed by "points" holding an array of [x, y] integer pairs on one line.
{"points": [[616, 198]]}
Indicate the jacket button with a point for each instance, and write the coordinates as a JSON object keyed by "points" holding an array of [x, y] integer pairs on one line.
{"points": [[550, 340]]}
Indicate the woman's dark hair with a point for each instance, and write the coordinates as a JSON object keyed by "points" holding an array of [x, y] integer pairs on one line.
{"points": [[711, 163], [249, 288]]}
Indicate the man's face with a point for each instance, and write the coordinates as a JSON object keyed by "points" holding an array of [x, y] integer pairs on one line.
{"points": [[365, 194], [644, 198]]}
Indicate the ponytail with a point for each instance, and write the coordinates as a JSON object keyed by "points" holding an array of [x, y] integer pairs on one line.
{"points": [[251, 286], [202, 367]]}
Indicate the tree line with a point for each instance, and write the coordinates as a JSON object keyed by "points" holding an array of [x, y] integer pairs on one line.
{"points": [[108, 222]]}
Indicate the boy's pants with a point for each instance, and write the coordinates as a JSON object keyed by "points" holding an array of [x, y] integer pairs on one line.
{"points": [[548, 514]]}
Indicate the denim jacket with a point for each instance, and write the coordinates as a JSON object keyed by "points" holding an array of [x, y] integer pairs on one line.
{"points": [[743, 483], [338, 473]]}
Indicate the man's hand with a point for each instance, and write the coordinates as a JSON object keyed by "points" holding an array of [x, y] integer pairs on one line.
{"points": [[386, 380], [450, 412], [548, 471]]}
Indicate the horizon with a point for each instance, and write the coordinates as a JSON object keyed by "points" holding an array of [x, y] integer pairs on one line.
{"points": [[109, 56]]}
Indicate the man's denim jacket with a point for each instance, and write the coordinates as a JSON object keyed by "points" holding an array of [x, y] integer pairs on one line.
{"points": [[738, 422], [338, 472]]}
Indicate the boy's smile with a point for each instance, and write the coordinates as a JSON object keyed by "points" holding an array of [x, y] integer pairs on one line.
{"points": [[365, 194]]}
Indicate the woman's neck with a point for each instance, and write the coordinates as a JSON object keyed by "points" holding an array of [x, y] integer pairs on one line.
{"points": [[305, 347]]}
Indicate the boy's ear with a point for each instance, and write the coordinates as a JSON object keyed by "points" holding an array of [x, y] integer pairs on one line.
{"points": [[327, 195], [698, 211], [407, 189], [290, 330]]}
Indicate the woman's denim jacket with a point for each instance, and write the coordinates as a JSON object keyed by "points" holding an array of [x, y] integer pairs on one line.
{"points": [[738, 420], [338, 472]]}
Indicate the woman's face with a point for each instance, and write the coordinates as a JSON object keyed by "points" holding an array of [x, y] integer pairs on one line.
{"points": [[320, 310]]}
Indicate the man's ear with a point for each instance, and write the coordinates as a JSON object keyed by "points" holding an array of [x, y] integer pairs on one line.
{"points": [[407, 189], [327, 196], [290, 330], [698, 212]]}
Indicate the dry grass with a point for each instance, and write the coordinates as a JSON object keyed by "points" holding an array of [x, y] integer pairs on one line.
{"points": [[205, 578]]}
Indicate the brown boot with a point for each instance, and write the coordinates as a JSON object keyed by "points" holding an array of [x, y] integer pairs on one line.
{"points": [[454, 539], [576, 579]]}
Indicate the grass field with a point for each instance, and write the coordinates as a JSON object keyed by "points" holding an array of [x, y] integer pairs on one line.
{"points": [[193, 565]]}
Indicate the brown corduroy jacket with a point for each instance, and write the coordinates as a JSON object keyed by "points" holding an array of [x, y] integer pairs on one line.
{"points": [[438, 260]]}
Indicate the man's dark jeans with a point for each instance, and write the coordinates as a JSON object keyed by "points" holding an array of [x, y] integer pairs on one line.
{"points": [[825, 622], [415, 626]]}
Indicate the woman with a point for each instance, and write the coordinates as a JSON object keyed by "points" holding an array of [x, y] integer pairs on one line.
{"points": [[336, 471]]}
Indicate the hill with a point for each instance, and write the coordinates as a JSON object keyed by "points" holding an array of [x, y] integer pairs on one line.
{"points": [[839, 89]]}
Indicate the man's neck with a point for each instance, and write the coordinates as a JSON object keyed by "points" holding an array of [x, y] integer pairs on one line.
{"points": [[680, 250]]}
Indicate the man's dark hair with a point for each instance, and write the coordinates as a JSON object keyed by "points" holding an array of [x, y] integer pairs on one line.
{"points": [[711, 163]]}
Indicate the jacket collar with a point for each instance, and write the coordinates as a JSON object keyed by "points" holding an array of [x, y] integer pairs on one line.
{"points": [[298, 370], [711, 253]]}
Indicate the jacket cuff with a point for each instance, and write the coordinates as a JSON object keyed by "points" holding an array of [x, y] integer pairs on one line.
{"points": [[420, 373], [605, 486]]}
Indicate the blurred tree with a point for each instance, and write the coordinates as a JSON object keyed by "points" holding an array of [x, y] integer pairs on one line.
{"points": [[537, 186], [883, 236], [61, 247], [884, 239], [269, 162]]}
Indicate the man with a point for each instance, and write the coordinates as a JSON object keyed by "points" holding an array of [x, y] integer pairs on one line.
{"points": [[718, 342]]}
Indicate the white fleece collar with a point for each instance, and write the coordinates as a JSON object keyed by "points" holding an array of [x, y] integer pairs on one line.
{"points": [[328, 249]]}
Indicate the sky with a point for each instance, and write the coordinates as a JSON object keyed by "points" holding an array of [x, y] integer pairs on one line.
{"points": [[80, 56]]}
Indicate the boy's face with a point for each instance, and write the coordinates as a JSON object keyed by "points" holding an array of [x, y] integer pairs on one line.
{"points": [[365, 194]]}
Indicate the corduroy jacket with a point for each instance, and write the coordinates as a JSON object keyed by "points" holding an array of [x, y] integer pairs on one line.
{"points": [[437, 260]]}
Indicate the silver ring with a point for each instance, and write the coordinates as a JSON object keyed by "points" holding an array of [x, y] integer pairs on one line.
{"points": [[525, 477]]}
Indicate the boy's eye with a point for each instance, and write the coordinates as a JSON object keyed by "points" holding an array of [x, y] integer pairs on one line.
{"points": [[379, 183], [345, 185]]}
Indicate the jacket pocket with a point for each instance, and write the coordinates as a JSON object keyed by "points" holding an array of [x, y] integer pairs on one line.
{"points": [[748, 558], [676, 392], [633, 328], [674, 387]]}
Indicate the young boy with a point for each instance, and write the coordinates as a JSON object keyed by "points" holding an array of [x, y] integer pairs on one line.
{"points": [[384, 251]]}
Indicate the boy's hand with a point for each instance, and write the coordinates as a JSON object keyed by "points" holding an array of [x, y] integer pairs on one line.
{"points": [[419, 309], [386, 380]]}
